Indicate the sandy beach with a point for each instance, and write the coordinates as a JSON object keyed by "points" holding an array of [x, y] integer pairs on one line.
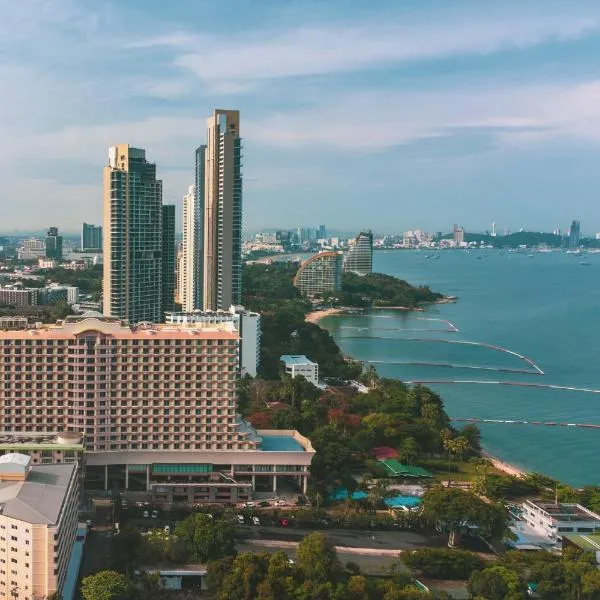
{"points": [[503, 466], [316, 315]]}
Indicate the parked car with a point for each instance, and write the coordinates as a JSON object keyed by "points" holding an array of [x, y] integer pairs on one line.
{"points": [[241, 520], [146, 514], [256, 520], [249, 505], [155, 514], [284, 522]]}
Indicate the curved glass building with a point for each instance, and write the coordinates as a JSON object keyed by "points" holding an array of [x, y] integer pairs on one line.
{"points": [[320, 273]]}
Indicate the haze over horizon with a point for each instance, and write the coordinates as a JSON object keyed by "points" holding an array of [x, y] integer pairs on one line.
{"points": [[416, 114]]}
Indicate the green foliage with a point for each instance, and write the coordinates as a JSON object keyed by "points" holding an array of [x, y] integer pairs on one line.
{"points": [[455, 510], [377, 289], [443, 563], [89, 281], [497, 583], [106, 585], [504, 487], [317, 559], [205, 538]]}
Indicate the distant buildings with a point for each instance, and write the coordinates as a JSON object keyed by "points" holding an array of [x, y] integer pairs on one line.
{"points": [[54, 244], [359, 259], [296, 365], [575, 234], [458, 235], [191, 254], [15, 295], [133, 241], [321, 232], [38, 520], [31, 248], [91, 238], [320, 273], [222, 212]]}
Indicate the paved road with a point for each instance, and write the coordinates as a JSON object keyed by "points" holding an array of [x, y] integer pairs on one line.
{"points": [[384, 540]]}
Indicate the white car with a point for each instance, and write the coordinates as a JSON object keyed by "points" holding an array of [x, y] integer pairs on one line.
{"points": [[256, 520], [146, 514], [249, 505], [155, 514], [240, 519], [280, 502]]}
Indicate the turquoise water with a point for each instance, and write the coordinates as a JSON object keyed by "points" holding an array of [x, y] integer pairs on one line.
{"points": [[280, 443], [544, 307], [394, 502]]}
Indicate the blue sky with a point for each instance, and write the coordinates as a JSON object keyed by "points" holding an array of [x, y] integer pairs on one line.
{"points": [[390, 115]]}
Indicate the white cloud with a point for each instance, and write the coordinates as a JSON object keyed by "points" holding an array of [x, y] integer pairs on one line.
{"points": [[336, 49]]}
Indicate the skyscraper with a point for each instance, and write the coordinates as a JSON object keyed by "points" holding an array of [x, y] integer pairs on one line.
{"points": [[360, 256], [168, 258], [322, 232], [575, 234], [132, 285], [222, 212], [54, 244], [91, 237]]}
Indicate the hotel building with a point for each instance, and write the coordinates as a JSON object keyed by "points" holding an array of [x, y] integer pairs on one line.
{"points": [[38, 525], [320, 273], [156, 404], [359, 259]]}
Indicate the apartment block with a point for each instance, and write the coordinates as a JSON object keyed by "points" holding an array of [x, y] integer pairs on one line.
{"points": [[38, 525], [296, 365]]}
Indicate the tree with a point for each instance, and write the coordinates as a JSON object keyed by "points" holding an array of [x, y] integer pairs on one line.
{"points": [[497, 583], [442, 563], [205, 538], [125, 550], [455, 510], [106, 585], [317, 559], [408, 450]]}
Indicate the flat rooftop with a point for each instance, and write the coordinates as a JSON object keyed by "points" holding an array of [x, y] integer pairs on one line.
{"points": [[296, 359], [74, 326], [36, 441], [565, 512]]}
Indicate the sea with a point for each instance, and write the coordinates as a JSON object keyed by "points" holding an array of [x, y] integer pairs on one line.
{"points": [[521, 317]]}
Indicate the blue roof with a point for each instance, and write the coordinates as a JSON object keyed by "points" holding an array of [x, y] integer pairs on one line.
{"points": [[295, 359], [280, 443]]}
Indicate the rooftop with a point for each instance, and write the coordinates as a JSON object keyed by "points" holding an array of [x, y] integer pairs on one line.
{"points": [[77, 325], [39, 499], [295, 359], [590, 541], [565, 512], [40, 441]]}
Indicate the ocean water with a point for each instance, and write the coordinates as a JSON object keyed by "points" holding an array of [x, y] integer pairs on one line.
{"points": [[512, 306]]}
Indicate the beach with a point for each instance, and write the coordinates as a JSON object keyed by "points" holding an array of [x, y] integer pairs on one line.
{"points": [[316, 315], [505, 467]]}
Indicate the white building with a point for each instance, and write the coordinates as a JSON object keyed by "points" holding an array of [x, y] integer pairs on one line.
{"points": [[300, 365], [550, 519], [38, 525], [191, 262], [244, 321]]}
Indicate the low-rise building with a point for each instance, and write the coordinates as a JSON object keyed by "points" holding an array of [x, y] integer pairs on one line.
{"points": [[552, 519], [38, 525], [301, 365], [15, 295]]}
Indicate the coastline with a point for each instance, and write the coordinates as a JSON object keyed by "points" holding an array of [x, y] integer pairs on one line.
{"points": [[503, 466], [315, 317]]}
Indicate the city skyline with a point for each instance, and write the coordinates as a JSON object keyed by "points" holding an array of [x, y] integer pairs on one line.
{"points": [[479, 108]]}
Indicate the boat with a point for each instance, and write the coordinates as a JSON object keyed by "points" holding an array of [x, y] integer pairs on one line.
{"points": [[585, 263]]}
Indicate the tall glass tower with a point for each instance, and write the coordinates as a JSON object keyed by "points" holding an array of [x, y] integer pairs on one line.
{"points": [[222, 212], [360, 256], [133, 241]]}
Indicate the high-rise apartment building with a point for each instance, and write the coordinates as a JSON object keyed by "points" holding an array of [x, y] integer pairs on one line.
{"points": [[54, 244], [322, 232], [359, 259], [222, 212], [157, 405], [133, 244], [191, 277], [91, 237], [458, 235], [38, 521], [575, 234], [168, 258], [320, 273]]}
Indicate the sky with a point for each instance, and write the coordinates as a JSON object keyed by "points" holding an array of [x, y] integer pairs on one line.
{"points": [[356, 114]]}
